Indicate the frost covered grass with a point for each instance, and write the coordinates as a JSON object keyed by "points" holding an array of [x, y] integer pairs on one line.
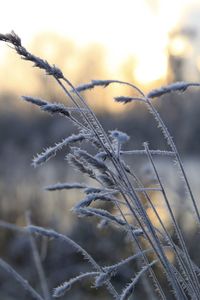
{"points": [[116, 183]]}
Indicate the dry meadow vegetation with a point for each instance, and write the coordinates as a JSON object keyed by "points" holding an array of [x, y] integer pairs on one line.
{"points": [[158, 257]]}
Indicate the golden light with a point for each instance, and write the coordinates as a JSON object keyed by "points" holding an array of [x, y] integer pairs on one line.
{"points": [[162, 213], [133, 28], [151, 69], [198, 63], [180, 46]]}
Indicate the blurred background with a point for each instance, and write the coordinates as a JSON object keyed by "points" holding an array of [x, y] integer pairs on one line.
{"points": [[149, 43]]}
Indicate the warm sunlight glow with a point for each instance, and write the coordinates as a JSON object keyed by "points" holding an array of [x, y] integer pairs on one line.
{"points": [[198, 63], [152, 47], [180, 46], [151, 69], [134, 28]]}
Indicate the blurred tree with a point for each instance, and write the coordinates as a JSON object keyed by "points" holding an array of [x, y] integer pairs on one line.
{"points": [[184, 46]]}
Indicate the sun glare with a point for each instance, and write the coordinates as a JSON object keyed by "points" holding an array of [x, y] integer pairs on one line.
{"points": [[180, 46], [133, 28], [149, 70]]}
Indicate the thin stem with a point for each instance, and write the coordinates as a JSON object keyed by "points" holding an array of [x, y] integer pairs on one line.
{"points": [[167, 238], [38, 264], [160, 290], [177, 229], [174, 149], [24, 283], [53, 234], [158, 248]]}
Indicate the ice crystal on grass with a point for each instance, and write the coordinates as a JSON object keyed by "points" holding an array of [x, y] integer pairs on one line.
{"points": [[119, 196], [177, 86], [51, 151]]}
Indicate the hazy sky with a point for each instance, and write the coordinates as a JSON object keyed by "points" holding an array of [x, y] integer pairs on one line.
{"points": [[128, 27]]}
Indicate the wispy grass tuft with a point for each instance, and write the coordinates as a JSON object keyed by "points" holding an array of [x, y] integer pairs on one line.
{"points": [[119, 197]]}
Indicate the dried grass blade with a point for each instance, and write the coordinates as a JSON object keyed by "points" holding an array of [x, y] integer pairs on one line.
{"points": [[177, 86], [129, 289], [24, 283]]}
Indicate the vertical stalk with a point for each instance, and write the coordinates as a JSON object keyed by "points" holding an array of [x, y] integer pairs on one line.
{"points": [[176, 226]]}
